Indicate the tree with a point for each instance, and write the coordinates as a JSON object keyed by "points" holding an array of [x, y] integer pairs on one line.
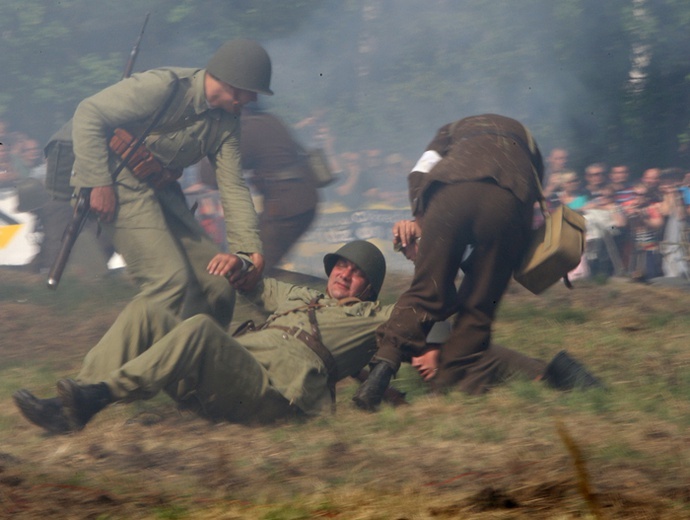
{"points": [[57, 53]]}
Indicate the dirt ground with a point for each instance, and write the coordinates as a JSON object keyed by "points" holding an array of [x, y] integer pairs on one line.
{"points": [[520, 452]]}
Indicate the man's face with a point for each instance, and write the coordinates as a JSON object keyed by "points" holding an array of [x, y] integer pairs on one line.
{"points": [[651, 177], [226, 97], [558, 159], [619, 174], [346, 280], [31, 153], [595, 176]]}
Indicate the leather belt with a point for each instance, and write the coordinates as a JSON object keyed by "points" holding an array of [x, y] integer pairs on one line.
{"points": [[319, 349]]}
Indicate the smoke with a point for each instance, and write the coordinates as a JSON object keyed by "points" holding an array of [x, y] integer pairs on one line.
{"points": [[386, 74]]}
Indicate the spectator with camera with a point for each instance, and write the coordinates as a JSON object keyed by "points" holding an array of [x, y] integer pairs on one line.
{"points": [[645, 220]]}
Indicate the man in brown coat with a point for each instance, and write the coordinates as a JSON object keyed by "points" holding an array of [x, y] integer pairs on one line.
{"points": [[281, 174], [474, 186]]}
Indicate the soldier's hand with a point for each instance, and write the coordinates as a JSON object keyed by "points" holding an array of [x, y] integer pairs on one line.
{"points": [[230, 266], [252, 277], [103, 202], [406, 234], [427, 363]]}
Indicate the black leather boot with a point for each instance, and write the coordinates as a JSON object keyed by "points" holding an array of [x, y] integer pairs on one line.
{"points": [[565, 373], [82, 402], [370, 393], [46, 413]]}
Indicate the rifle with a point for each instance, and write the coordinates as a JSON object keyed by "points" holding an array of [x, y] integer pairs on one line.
{"points": [[79, 215], [135, 50], [81, 207]]}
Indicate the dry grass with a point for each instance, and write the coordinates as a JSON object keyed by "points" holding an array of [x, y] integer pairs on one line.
{"points": [[623, 453]]}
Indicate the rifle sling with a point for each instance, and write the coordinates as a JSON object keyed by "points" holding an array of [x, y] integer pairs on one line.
{"points": [[149, 129]]}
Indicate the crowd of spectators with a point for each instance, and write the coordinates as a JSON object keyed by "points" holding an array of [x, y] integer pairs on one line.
{"points": [[364, 178], [635, 228], [636, 224]]}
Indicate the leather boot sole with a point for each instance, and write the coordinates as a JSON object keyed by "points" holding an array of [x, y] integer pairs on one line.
{"points": [[46, 413]]}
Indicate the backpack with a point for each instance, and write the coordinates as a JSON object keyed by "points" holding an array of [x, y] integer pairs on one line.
{"points": [[59, 154]]}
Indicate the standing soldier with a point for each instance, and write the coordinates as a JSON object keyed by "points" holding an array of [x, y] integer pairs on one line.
{"points": [[143, 209], [287, 367], [474, 186]]}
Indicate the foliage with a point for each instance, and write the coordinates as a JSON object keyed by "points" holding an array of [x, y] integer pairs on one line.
{"points": [[387, 73]]}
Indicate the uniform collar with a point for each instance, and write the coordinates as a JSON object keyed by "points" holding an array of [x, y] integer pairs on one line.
{"points": [[199, 101]]}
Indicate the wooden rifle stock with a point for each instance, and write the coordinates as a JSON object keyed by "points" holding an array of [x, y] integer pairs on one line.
{"points": [[79, 216]]}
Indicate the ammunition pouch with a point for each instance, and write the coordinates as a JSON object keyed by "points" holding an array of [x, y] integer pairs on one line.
{"points": [[141, 162]]}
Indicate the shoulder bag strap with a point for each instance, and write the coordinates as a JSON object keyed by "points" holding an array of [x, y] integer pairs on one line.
{"points": [[152, 125]]}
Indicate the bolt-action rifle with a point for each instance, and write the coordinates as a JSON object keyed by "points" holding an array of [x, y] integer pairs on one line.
{"points": [[81, 207]]}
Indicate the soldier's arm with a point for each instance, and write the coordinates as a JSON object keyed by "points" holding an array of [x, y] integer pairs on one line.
{"points": [[240, 216]]}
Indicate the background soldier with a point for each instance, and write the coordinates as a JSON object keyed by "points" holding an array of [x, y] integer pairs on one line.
{"points": [[281, 174]]}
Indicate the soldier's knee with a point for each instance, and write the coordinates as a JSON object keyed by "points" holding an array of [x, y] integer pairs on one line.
{"points": [[178, 280]]}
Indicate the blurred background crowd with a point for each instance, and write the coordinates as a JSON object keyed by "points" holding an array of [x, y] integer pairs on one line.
{"points": [[636, 221]]}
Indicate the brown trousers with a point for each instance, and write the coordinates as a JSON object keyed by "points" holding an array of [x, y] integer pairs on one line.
{"points": [[497, 365], [497, 225], [279, 234]]}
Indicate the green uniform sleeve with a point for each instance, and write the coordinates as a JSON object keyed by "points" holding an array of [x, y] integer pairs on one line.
{"points": [[241, 221]]}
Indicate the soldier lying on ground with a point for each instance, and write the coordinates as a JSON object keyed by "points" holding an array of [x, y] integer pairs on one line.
{"points": [[287, 367]]}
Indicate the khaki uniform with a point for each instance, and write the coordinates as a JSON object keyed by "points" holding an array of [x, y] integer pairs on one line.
{"points": [[261, 375], [164, 247], [480, 193]]}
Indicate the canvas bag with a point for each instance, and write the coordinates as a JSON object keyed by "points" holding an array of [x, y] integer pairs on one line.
{"points": [[555, 248], [59, 155]]}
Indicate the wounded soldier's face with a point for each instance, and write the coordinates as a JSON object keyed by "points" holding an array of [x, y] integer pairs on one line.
{"points": [[346, 280]]}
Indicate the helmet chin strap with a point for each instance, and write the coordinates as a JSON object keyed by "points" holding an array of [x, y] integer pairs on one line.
{"points": [[364, 294]]}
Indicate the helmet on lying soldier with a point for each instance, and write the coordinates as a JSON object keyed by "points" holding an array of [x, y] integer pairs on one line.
{"points": [[364, 255]]}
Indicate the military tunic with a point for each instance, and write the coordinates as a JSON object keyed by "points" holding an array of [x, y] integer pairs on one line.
{"points": [[480, 192], [157, 235], [261, 375]]}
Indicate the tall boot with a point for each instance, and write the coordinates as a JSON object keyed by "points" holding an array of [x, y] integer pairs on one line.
{"points": [[82, 402], [370, 393], [565, 373], [46, 413]]}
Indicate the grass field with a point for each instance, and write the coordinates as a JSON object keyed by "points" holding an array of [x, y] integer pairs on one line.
{"points": [[521, 451]]}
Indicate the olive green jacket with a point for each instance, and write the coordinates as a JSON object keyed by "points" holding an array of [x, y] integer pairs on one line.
{"points": [[347, 331], [187, 132]]}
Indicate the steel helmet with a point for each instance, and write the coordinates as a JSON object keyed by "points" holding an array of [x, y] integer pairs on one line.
{"points": [[364, 255], [242, 64]]}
